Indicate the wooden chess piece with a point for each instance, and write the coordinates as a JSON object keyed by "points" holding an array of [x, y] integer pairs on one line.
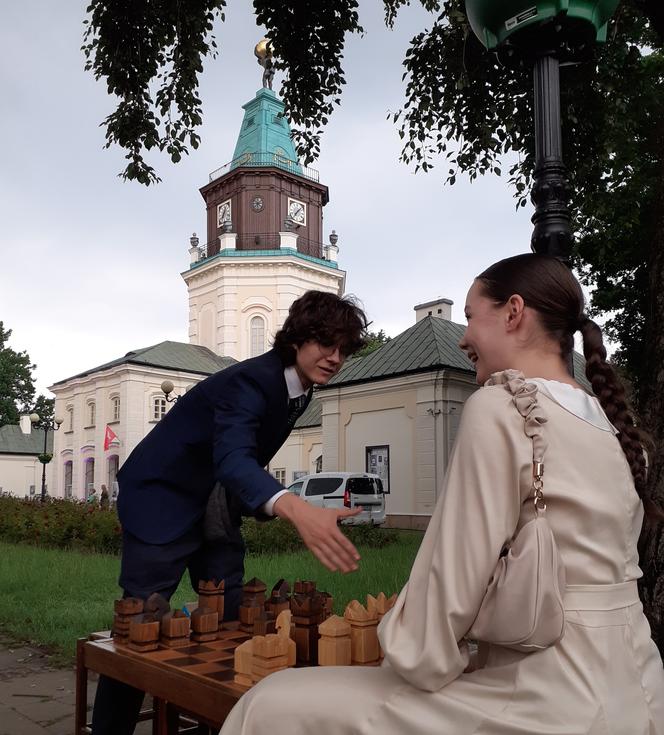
{"points": [[380, 604], [253, 602], [270, 654], [264, 623], [307, 610], [204, 625], [365, 648], [334, 645], [279, 599], [125, 610], [144, 633], [211, 595], [175, 629], [283, 625], [243, 659]]}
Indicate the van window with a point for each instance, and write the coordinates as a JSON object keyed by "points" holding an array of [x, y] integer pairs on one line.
{"points": [[362, 486], [295, 488], [323, 485]]}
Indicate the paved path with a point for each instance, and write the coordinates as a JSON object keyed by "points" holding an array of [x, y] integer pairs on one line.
{"points": [[36, 698]]}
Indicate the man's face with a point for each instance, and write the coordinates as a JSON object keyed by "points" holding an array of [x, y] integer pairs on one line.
{"points": [[316, 364]]}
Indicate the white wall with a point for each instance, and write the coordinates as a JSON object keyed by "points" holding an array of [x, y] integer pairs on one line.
{"points": [[18, 472]]}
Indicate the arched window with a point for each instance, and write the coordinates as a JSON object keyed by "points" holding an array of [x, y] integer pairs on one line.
{"points": [[68, 466], [257, 332], [92, 413], [158, 408], [115, 408], [89, 475], [113, 465]]}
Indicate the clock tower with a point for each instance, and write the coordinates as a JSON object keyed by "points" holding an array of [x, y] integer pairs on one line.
{"points": [[264, 246]]}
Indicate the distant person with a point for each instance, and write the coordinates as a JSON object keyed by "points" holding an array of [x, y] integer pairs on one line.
{"points": [[220, 435], [93, 498], [104, 500]]}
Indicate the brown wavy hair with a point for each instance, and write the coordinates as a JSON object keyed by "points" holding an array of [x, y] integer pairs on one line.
{"points": [[548, 286], [326, 318]]}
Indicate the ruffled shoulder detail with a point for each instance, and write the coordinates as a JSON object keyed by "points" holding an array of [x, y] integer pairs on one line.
{"points": [[524, 397]]}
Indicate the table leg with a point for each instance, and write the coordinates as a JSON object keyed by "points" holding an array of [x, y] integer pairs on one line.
{"points": [[81, 718], [166, 718]]}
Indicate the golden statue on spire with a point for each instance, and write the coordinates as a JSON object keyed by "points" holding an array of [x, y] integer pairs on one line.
{"points": [[263, 52]]}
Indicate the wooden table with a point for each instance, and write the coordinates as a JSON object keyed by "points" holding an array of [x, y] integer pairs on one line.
{"points": [[196, 681]]}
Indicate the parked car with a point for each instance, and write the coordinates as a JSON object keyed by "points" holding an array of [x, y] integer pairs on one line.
{"points": [[344, 490]]}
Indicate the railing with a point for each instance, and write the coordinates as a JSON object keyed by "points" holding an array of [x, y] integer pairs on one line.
{"points": [[264, 160], [265, 241]]}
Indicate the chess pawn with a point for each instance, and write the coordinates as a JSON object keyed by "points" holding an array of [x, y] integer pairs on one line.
{"points": [[175, 629], [254, 588], [144, 633], [211, 595], [334, 645], [204, 625], [365, 648]]}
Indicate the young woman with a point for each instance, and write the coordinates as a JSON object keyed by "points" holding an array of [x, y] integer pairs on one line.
{"points": [[605, 676]]}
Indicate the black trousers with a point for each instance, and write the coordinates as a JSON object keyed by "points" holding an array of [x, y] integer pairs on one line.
{"points": [[148, 568]]}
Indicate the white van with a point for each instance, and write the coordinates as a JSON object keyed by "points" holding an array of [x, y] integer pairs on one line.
{"points": [[344, 490]]}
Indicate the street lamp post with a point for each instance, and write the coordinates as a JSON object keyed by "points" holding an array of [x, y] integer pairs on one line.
{"points": [[46, 425], [543, 34]]}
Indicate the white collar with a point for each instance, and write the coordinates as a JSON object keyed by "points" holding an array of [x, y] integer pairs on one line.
{"points": [[293, 383], [576, 401]]}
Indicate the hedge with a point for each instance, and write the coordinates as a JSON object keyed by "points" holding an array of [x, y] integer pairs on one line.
{"points": [[72, 524]]}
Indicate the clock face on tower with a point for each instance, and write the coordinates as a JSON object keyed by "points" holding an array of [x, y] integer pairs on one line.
{"points": [[223, 212], [297, 211], [257, 204]]}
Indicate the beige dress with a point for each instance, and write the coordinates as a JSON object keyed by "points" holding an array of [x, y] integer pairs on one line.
{"points": [[604, 677]]}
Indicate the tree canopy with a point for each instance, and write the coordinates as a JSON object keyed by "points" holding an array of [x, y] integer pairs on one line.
{"points": [[16, 387]]}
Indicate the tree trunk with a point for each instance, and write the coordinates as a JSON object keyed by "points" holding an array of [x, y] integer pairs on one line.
{"points": [[651, 404]]}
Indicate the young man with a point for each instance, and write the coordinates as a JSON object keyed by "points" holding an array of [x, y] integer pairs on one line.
{"points": [[185, 487]]}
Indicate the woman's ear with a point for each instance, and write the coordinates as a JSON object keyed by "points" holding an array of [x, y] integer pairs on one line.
{"points": [[514, 314]]}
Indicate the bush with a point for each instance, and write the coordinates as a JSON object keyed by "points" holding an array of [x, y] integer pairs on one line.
{"points": [[59, 524], [73, 524]]}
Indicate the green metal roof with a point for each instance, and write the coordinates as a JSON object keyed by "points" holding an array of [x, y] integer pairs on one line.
{"points": [[167, 356], [265, 130], [430, 344], [313, 416], [14, 441]]}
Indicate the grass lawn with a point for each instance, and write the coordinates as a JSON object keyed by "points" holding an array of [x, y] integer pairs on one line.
{"points": [[52, 597]]}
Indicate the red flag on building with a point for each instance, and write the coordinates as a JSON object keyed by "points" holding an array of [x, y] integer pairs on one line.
{"points": [[108, 437]]}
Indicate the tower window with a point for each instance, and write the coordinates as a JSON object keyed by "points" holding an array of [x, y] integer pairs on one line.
{"points": [[257, 333]]}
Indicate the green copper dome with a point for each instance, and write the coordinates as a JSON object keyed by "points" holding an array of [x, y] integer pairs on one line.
{"points": [[265, 135]]}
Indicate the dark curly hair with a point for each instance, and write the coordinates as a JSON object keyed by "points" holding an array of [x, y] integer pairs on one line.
{"points": [[548, 286], [325, 318]]}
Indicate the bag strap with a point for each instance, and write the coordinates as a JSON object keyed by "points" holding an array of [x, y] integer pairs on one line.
{"points": [[524, 397]]}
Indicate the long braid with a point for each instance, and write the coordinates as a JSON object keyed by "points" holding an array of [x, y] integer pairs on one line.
{"points": [[609, 390]]}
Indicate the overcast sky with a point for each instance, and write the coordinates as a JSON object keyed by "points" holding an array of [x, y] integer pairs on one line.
{"points": [[91, 265]]}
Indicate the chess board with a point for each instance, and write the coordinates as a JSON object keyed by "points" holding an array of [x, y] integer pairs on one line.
{"points": [[211, 661]]}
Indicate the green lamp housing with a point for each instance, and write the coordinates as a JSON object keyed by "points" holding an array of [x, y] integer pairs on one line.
{"points": [[525, 24]]}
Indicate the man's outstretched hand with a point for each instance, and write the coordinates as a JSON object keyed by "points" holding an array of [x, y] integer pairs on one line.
{"points": [[320, 532]]}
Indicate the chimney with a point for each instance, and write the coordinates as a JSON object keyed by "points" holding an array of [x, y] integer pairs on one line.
{"points": [[25, 424], [440, 308]]}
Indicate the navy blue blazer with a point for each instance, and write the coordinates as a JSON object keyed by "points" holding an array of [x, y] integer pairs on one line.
{"points": [[226, 428]]}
